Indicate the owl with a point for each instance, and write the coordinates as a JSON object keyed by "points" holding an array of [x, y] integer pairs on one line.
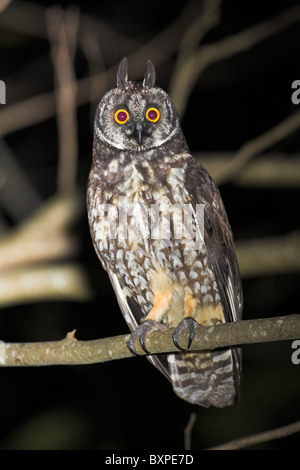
{"points": [[160, 230]]}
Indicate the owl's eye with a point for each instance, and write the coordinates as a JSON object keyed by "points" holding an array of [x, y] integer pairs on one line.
{"points": [[152, 114], [121, 116]]}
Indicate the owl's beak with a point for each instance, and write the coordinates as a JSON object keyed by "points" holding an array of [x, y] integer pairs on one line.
{"points": [[139, 133]]}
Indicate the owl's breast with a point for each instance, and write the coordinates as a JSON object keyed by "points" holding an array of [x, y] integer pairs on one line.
{"points": [[126, 199], [144, 224]]}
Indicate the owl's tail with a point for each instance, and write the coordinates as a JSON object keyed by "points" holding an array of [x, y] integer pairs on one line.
{"points": [[206, 378]]}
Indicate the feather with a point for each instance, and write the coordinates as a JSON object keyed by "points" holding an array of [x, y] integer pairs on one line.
{"points": [[220, 249], [131, 313]]}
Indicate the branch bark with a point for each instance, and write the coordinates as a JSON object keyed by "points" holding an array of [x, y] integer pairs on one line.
{"points": [[70, 351]]}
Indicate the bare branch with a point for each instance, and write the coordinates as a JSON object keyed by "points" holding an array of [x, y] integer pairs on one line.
{"points": [[269, 171], [62, 28], [44, 236], [183, 76], [277, 433], [28, 254], [228, 171], [71, 351], [269, 255], [39, 108], [66, 281], [27, 113], [188, 431], [196, 62], [4, 4], [94, 55]]}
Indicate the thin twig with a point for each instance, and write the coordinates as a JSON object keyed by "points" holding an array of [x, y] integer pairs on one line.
{"points": [[74, 352], [188, 431], [39, 108], [62, 29], [93, 52], [274, 170], [229, 170], [183, 82], [205, 20], [247, 441], [27, 113]]}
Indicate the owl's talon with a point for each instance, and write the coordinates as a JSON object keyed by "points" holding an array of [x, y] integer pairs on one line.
{"points": [[141, 333], [143, 344], [188, 323], [131, 347]]}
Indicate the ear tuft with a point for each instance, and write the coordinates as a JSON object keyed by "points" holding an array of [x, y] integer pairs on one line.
{"points": [[150, 75], [122, 74]]}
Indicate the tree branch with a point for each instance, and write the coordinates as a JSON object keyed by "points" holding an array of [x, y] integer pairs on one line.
{"points": [[40, 283], [62, 30], [273, 170], [70, 351], [4, 4], [44, 236], [187, 432], [247, 441], [39, 108], [196, 61], [269, 255], [250, 149]]}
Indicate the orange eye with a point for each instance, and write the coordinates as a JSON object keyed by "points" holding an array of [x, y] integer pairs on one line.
{"points": [[153, 114], [121, 116]]}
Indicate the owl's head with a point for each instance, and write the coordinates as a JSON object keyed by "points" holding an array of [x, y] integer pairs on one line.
{"points": [[136, 116]]}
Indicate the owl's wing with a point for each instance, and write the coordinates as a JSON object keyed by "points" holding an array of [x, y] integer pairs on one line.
{"points": [[219, 245], [218, 238], [133, 314]]}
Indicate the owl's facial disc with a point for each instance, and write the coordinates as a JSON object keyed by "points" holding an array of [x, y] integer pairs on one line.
{"points": [[136, 119]]}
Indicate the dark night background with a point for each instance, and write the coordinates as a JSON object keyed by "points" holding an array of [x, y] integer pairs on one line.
{"points": [[128, 404]]}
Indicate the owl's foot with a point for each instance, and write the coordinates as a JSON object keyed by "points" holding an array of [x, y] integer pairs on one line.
{"points": [[189, 324], [141, 333]]}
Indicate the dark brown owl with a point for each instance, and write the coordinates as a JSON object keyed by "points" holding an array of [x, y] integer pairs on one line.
{"points": [[160, 229]]}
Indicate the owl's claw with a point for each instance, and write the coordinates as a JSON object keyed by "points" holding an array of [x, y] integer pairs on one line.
{"points": [[141, 333], [188, 323]]}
